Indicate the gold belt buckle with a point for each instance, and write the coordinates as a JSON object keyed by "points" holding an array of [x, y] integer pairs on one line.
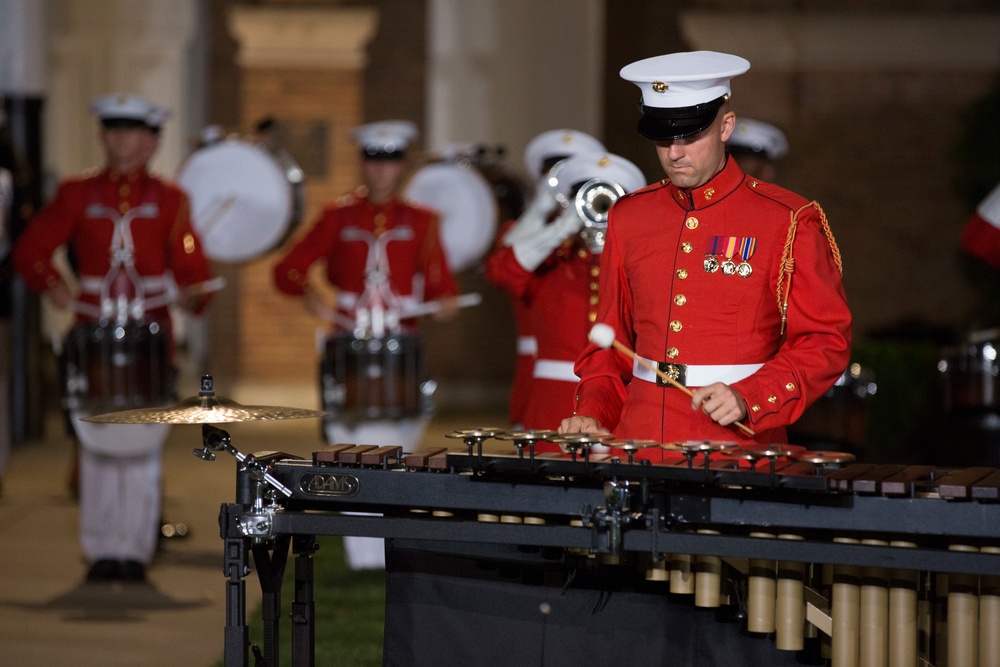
{"points": [[676, 372]]}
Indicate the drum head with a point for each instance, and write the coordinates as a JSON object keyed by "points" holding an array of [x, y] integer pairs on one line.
{"points": [[241, 200], [465, 202]]}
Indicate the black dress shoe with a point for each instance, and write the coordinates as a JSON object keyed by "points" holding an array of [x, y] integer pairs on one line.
{"points": [[133, 570], [104, 569]]}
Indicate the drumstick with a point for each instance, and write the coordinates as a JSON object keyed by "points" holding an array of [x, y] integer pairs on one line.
{"points": [[430, 307], [204, 224], [604, 336]]}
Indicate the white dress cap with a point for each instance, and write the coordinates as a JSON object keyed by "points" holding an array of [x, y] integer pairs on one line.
{"points": [[582, 167], [557, 144], [758, 137], [127, 107], [682, 92], [384, 139]]}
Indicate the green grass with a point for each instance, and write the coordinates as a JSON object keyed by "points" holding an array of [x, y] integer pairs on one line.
{"points": [[349, 613]]}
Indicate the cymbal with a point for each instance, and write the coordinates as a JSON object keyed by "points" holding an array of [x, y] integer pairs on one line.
{"points": [[204, 410]]}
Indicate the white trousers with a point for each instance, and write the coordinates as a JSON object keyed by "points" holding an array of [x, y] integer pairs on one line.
{"points": [[121, 475], [365, 553]]}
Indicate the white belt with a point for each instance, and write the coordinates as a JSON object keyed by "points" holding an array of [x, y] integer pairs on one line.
{"points": [[527, 345], [93, 284], [550, 369], [697, 376], [348, 301]]}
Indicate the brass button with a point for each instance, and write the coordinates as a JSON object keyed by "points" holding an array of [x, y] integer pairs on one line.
{"points": [[592, 317], [593, 301], [686, 247], [676, 326], [672, 352], [581, 253], [691, 223], [790, 386], [124, 190], [755, 408], [594, 286], [682, 273], [680, 299], [772, 399], [123, 207], [595, 271]]}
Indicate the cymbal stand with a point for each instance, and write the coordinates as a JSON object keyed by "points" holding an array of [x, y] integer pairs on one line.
{"points": [[257, 523]]}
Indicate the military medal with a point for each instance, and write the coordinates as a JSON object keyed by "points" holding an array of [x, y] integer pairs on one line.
{"points": [[711, 262], [747, 247], [729, 266]]}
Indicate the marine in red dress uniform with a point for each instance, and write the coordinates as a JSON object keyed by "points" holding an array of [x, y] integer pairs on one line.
{"points": [[408, 234], [560, 293], [540, 155], [367, 238], [129, 235], [728, 280]]}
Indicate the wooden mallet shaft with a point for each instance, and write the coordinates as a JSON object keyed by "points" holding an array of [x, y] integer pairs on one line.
{"points": [[653, 367]]}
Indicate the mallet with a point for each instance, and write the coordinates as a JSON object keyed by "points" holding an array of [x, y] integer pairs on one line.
{"points": [[603, 335]]}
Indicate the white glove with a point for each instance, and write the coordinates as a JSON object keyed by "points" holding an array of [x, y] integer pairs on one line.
{"points": [[534, 217], [532, 250]]}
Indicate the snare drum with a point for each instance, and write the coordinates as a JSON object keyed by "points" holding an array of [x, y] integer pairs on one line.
{"points": [[971, 373], [375, 378], [117, 367]]}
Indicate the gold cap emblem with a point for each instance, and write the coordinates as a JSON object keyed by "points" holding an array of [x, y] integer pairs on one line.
{"points": [[660, 87]]}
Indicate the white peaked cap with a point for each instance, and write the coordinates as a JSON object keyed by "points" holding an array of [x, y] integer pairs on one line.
{"points": [[682, 92], [385, 137], [759, 137], [124, 106], [557, 143], [580, 168]]}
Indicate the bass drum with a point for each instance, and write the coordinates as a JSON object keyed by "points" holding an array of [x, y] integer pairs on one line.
{"points": [[465, 202], [245, 200]]}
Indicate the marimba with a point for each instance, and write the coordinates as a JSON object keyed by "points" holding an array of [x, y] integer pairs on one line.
{"points": [[870, 556]]}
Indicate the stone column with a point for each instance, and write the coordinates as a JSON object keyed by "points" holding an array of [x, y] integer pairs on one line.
{"points": [[303, 68]]}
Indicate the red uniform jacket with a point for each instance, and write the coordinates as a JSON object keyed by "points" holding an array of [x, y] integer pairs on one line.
{"points": [[421, 255], [560, 297], [502, 275], [82, 215], [981, 235], [662, 302]]}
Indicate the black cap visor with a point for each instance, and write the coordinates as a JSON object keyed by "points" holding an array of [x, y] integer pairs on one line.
{"points": [[662, 124], [123, 123], [378, 154]]}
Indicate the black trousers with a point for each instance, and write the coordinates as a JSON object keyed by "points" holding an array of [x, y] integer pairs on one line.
{"points": [[489, 605]]}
